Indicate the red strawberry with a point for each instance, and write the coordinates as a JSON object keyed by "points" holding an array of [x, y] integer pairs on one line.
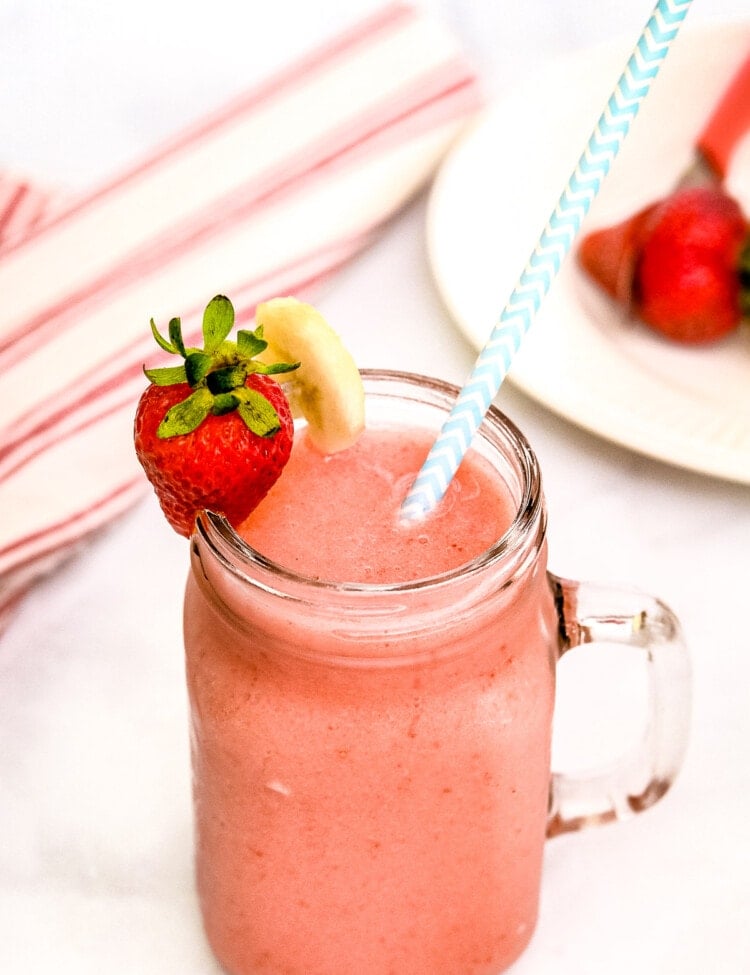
{"points": [[688, 279], [215, 432], [610, 254], [684, 267]]}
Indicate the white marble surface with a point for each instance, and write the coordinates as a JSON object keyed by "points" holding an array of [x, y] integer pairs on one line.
{"points": [[95, 855]]}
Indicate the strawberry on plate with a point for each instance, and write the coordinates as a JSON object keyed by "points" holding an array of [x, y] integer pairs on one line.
{"points": [[681, 265], [216, 431]]}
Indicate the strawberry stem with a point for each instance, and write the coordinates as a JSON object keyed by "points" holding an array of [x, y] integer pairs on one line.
{"points": [[744, 276], [216, 374]]}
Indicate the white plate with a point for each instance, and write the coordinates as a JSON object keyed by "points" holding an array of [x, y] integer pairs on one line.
{"points": [[685, 405]]}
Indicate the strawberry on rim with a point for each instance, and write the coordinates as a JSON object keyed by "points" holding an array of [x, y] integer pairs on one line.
{"points": [[215, 431]]}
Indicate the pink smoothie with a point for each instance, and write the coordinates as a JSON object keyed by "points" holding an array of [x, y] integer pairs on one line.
{"points": [[336, 516], [370, 801]]}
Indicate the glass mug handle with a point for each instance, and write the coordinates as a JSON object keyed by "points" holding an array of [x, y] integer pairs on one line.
{"points": [[592, 613]]}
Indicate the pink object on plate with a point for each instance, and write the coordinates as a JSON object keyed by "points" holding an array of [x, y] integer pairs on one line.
{"points": [[727, 124]]}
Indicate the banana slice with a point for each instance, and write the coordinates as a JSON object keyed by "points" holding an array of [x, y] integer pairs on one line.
{"points": [[327, 388]]}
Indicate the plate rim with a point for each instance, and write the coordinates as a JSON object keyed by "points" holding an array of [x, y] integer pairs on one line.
{"points": [[668, 447]]}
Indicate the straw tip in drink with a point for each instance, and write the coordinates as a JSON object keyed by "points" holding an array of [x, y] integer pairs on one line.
{"points": [[416, 507]]}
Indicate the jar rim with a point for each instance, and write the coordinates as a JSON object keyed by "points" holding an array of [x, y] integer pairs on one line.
{"points": [[528, 524]]}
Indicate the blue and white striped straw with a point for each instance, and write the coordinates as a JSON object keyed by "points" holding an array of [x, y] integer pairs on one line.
{"points": [[546, 259]]}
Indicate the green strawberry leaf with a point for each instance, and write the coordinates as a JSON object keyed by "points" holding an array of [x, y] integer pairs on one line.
{"points": [[160, 340], [258, 414], [167, 376], [217, 373], [197, 365], [224, 403], [276, 367], [250, 343], [186, 416], [175, 335], [229, 378], [218, 321]]}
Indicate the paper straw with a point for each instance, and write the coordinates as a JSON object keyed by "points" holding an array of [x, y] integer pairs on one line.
{"points": [[555, 242]]}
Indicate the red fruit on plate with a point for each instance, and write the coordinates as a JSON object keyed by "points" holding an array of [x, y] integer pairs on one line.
{"points": [[682, 265], [609, 254], [215, 432], [687, 281]]}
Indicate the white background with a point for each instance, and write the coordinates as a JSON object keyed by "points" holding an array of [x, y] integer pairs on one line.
{"points": [[95, 829]]}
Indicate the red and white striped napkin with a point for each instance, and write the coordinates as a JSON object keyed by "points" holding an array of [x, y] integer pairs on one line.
{"points": [[271, 195]]}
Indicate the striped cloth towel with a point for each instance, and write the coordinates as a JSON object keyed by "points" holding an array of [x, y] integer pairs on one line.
{"points": [[270, 195]]}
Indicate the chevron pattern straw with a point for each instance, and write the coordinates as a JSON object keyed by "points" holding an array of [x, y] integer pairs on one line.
{"points": [[546, 259]]}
